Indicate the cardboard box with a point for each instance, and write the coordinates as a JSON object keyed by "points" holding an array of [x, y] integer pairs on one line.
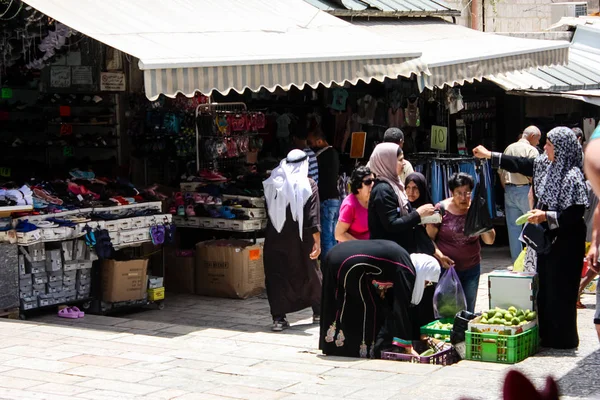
{"points": [[124, 280], [476, 326], [229, 268], [180, 271], [156, 294]]}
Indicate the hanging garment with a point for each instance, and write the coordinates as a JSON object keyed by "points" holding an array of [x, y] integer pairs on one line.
{"points": [[395, 116], [413, 115], [338, 102]]}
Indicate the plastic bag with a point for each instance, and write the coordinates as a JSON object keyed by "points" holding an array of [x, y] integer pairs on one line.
{"points": [[519, 265], [449, 297], [478, 218]]}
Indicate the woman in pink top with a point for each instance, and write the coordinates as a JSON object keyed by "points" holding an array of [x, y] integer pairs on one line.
{"points": [[353, 222]]}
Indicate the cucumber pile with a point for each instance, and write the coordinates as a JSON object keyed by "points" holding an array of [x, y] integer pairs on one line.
{"points": [[523, 218], [510, 317]]}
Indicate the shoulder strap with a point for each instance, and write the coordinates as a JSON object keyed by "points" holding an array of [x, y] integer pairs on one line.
{"points": [[318, 153]]}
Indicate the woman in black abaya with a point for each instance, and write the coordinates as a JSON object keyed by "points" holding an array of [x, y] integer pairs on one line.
{"points": [[561, 198], [370, 291]]}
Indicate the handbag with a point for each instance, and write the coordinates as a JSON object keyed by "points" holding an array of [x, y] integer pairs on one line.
{"points": [[537, 237], [478, 218]]}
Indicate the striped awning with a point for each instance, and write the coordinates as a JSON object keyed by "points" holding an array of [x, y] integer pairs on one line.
{"points": [[455, 54], [271, 76], [188, 46]]}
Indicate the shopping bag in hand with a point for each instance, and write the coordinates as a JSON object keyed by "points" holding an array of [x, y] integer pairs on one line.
{"points": [[449, 297], [478, 218]]}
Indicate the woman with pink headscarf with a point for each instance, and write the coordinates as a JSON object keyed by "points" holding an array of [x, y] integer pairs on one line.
{"points": [[391, 217]]}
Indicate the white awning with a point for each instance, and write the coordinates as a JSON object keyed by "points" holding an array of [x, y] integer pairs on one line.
{"points": [[582, 72], [455, 54], [186, 46]]}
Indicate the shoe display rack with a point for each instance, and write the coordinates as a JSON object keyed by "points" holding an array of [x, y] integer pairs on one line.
{"points": [[55, 264]]}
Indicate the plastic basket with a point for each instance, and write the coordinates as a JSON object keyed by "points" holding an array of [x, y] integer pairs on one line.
{"points": [[428, 330], [444, 357], [503, 349]]}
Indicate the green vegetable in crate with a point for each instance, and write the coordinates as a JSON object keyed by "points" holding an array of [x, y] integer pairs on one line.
{"points": [[512, 309], [508, 316], [516, 321], [531, 316], [522, 219], [427, 353]]}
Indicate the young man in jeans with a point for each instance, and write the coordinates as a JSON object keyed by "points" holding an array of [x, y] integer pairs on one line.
{"points": [[329, 168]]}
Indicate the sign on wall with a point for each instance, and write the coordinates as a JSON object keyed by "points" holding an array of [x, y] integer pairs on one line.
{"points": [[439, 137], [112, 81]]}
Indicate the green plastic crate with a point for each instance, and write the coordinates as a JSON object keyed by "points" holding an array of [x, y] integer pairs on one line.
{"points": [[428, 330], [492, 347]]}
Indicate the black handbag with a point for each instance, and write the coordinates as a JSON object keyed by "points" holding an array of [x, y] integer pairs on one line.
{"points": [[478, 218], [538, 237]]}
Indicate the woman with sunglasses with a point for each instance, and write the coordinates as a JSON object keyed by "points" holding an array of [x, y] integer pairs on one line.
{"points": [[353, 222], [454, 249], [561, 198]]}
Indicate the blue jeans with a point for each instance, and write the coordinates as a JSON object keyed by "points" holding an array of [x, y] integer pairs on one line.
{"points": [[516, 203], [469, 279], [330, 211]]}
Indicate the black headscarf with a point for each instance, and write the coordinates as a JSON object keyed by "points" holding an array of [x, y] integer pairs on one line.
{"points": [[424, 196]]}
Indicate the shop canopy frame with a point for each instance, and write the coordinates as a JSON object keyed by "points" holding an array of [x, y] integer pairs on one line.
{"points": [[455, 55], [187, 46]]}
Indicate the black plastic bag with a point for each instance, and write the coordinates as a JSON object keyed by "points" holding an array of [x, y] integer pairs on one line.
{"points": [[478, 219], [461, 324]]}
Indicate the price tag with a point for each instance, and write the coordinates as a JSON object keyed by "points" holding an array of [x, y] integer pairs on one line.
{"points": [[439, 137], [68, 151], [5, 172], [7, 93], [66, 130]]}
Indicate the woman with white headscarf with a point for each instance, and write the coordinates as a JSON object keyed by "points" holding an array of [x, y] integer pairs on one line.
{"points": [[561, 199], [292, 240], [372, 293]]}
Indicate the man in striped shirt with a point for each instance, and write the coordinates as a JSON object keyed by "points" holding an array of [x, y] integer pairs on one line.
{"points": [[313, 167]]}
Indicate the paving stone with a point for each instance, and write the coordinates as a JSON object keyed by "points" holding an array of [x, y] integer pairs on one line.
{"points": [[222, 359], [107, 394], [177, 382], [398, 367], [17, 383], [40, 364], [99, 361], [322, 390], [42, 376], [167, 394], [192, 364], [295, 367], [60, 388], [110, 373], [245, 392], [49, 353], [143, 366], [120, 387], [201, 396]]}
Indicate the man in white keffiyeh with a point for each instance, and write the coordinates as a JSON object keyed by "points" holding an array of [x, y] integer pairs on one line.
{"points": [[292, 240]]}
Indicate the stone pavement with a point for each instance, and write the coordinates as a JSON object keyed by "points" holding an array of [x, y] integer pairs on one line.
{"points": [[208, 348]]}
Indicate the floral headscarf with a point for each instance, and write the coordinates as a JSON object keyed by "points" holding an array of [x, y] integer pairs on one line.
{"points": [[560, 184]]}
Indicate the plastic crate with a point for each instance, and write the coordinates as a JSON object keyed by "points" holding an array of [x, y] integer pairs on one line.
{"points": [[491, 347], [444, 357], [428, 330]]}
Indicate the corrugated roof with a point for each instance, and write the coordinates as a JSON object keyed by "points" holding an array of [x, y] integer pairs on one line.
{"points": [[581, 73], [385, 8]]}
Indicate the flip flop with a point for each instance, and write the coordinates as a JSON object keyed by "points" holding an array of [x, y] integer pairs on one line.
{"points": [[68, 313]]}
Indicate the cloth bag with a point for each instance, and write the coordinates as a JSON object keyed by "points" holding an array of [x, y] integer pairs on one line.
{"points": [[478, 219], [449, 297]]}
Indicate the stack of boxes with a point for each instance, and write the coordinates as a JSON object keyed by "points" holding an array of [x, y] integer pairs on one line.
{"points": [[54, 276]]}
